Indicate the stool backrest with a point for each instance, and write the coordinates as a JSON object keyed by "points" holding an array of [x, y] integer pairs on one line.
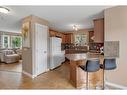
{"points": [[109, 63], [92, 65]]}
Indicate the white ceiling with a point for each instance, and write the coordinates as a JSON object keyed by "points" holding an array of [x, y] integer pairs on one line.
{"points": [[60, 18]]}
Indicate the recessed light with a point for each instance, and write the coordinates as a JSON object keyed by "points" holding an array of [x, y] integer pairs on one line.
{"points": [[4, 10]]}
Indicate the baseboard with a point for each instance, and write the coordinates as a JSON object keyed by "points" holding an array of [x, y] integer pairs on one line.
{"points": [[28, 74], [116, 85]]}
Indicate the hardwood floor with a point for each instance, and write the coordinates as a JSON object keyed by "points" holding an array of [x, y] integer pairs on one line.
{"points": [[12, 67], [55, 79]]}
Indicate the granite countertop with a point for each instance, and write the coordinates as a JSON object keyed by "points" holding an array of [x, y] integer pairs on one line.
{"points": [[76, 49], [81, 56]]}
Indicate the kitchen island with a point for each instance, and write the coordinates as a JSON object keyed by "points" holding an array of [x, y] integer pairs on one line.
{"points": [[77, 75]]}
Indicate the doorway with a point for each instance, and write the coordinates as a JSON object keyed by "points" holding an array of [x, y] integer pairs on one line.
{"points": [[10, 52]]}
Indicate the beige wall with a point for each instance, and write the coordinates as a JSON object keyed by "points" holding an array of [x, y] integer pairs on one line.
{"points": [[116, 30]]}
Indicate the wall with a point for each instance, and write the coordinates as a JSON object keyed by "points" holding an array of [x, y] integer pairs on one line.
{"points": [[28, 60], [116, 30]]}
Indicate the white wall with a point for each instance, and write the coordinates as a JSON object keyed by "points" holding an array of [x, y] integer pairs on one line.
{"points": [[116, 30]]}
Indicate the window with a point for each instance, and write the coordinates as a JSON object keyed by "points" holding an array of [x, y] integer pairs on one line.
{"points": [[9, 41], [6, 41], [16, 41], [81, 39]]}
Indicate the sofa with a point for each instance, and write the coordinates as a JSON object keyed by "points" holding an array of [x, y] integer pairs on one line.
{"points": [[19, 52], [9, 56]]}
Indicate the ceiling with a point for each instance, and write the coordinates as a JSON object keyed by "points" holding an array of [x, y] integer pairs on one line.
{"points": [[61, 18]]}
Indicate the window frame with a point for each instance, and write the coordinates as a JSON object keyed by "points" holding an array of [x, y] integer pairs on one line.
{"points": [[82, 40]]}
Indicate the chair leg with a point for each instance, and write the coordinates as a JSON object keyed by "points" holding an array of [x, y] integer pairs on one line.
{"points": [[87, 80]]}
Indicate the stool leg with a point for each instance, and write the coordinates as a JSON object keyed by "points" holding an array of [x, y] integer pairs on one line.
{"points": [[87, 80], [103, 80]]}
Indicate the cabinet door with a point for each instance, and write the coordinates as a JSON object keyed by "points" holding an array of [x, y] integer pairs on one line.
{"points": [[58, 34], [91, 36], [99, 30], [63, 38], [40, 48], [68, 38], [52, 33]]}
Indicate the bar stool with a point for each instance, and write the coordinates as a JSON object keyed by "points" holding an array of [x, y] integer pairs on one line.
{"points": [[108, 64], [92, 65]]}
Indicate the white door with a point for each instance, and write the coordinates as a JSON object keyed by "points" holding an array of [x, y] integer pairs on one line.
{"points": [[40, 48]]}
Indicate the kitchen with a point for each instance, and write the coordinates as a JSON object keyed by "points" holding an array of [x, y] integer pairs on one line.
{"points": [[77, 46], [85, 41], [94, 39], [49, 51]]}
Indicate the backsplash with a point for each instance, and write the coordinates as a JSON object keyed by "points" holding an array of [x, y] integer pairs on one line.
{"points": [[95, 46], [72, 46], [111, 49]]}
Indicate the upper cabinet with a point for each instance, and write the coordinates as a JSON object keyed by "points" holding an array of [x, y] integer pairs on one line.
{"points": [[99, 30], [68, 37], [52, 33], [91, 36], [57, 34], [63, 38]]}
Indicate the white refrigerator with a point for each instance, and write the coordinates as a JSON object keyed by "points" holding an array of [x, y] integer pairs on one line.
{"points": [[56, 55]]}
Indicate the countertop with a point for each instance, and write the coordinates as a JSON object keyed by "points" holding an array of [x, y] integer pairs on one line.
{"points": [[81, 56]]}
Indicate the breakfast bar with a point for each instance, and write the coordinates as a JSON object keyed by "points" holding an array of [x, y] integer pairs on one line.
{"points": [[77, 75]]}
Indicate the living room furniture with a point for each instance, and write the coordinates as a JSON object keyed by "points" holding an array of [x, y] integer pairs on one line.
{"points": [[19, 52], [8, 56]]}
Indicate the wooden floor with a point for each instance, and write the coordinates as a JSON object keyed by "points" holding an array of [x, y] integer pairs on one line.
{"points": [[12, 67], [55, 79]]}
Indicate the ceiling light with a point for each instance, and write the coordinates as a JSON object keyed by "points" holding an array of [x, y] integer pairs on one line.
{"points": [[4, 10], [75, 27]]}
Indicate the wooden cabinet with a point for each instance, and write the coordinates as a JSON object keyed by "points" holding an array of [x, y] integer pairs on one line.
{"points": [[91, 36], [63, 38], [68, 38], [57, 34], [52, 33], [78, 76], [99, 30]]}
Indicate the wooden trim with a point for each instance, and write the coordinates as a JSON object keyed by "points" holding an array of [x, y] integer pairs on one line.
{"points": [[28, 74], [10, 33], [98, 19], [35, 19]]}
